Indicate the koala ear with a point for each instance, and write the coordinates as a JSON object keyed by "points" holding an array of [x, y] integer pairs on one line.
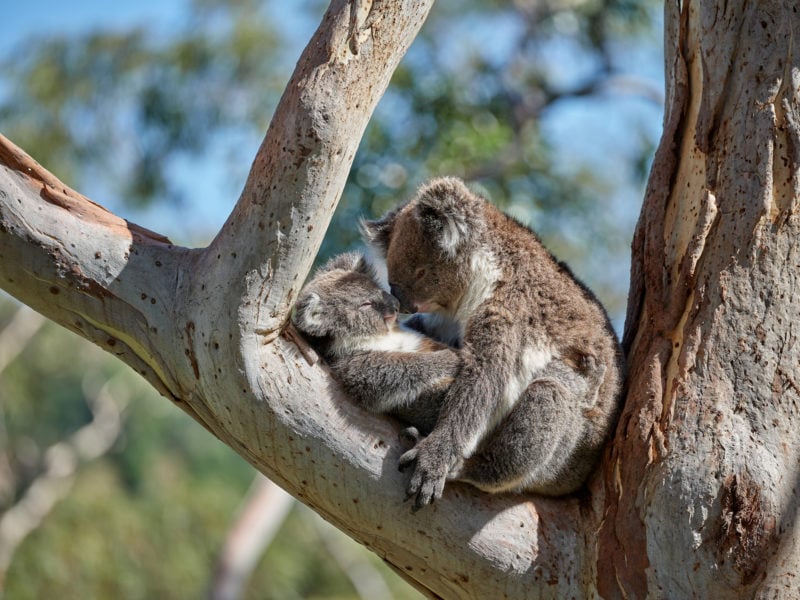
{"points": [[365, 267], [347, 261], [449, 213], [376, 234], [308, 315]]}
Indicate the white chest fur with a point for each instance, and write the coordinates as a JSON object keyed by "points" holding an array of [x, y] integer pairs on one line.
{"points": [[485, 274], [395, 340], [527, 366], [530, 362]]}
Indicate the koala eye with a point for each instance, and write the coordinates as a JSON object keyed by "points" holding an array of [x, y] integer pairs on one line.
{"points": [[419, 274], [366, 304]]}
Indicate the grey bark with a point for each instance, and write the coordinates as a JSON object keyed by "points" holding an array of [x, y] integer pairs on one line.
{"points": [[697, 497], [707, 455]]}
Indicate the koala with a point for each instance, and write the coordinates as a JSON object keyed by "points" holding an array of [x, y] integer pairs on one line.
{"points": [[352, 323], [389, 369], [539, 386]]}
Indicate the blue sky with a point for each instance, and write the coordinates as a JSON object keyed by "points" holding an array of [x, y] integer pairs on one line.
{"points": [[207, 186], [43, 17]]}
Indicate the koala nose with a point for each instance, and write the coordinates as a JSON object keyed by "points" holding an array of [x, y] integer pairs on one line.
{"points": [[392, 303], [404, 304]]}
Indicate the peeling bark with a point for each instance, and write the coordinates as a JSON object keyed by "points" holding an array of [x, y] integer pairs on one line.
{"points": [[703, 476]]}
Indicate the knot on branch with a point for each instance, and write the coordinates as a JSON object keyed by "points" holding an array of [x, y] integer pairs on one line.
{"points": [[745, 533]]}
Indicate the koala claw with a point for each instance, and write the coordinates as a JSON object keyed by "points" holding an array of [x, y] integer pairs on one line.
{"points": [[407, 459], [427, 487], [429, 475]]}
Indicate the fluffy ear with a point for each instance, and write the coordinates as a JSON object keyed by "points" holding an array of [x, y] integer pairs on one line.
{"points": [[376, 233], [347, 261], [307, 315], [449, 213], [350, 261]]}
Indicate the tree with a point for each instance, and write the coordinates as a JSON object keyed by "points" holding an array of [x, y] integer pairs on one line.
{"points": [[708, 429]]}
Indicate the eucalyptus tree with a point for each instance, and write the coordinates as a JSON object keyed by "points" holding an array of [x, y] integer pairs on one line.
{"points": [[697, 495]]}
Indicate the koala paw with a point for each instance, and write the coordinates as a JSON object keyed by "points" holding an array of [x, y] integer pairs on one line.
{"points": [[430, 472]]}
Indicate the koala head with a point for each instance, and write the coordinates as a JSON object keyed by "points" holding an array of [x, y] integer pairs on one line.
{"points": [[428, 244], [343, 299]]}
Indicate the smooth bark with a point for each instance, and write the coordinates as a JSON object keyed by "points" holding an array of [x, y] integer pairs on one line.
{"points": [[203, 325]]}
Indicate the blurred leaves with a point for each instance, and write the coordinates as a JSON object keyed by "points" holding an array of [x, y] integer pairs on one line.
{"points": [[122, 105]]}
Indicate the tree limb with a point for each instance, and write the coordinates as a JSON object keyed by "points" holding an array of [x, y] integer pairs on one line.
{"points": [[62, 460], [261, 515], [17, 333]]}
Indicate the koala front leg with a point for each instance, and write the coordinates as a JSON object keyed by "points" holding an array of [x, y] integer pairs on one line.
{"points": [[410, 385], [468, 409]]}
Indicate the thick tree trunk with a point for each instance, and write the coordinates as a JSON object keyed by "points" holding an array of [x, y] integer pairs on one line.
{"points": [[698, 495], [703, 480]]}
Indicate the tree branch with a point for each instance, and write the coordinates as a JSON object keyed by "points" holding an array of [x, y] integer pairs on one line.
{"points": [[17, 333], [271, 238], [62, 461], [261, 515]]}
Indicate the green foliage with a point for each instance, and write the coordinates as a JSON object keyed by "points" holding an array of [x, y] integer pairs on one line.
{"points": [[122, 111], [123, 105], [148, 519], [105, 542]]}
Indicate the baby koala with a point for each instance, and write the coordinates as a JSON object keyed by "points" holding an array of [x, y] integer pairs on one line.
{"points": [[384, 367], [389, 369]]}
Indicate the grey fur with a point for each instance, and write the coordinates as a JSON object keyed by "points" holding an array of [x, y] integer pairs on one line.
{"points": [[538, 391], [342, 311]]}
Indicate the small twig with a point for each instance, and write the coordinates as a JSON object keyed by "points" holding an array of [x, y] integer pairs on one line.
{"points": [[294, 336]]}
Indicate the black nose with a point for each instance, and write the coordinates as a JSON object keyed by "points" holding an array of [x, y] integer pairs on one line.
{"points": [[405, 305], [392, 303]]}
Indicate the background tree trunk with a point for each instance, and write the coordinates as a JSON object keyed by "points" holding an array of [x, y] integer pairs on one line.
{"points": [[698, 494]]}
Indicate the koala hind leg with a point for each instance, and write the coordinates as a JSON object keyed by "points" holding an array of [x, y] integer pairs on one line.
{"points": [[536, 447]]}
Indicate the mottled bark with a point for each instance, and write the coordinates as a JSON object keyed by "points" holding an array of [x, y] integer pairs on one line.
{"points": [[702, 483]]}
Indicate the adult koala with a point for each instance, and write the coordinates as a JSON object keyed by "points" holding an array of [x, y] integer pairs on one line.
{"points": [[489, 286]]}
